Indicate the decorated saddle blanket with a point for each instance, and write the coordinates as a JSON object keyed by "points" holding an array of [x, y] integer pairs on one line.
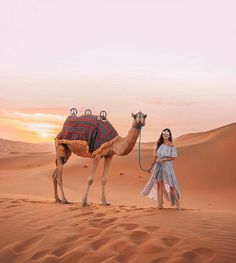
{"points": [[87, 130]]}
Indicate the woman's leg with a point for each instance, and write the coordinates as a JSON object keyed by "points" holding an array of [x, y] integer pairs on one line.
{"points": [[173, 190], [160, 194]]}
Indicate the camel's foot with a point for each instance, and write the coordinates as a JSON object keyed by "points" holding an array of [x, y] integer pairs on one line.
{"points": [[65, 202], [104, 203], [57, 200], [84, 204], [160, 207]]}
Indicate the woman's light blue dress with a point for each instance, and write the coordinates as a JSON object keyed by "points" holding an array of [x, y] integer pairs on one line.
{"points": [[165, 172]]}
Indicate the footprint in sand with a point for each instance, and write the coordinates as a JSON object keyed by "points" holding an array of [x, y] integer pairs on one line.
{"points": [[95, 245], [170, 241], [138, 237], [152, 228], [84, 214], [73, 208], [102, 224], [66, 246], [71, 238], [190, 256], [129, 226], [160, 260], [92, 232], [126, 255], [204, 253], [109, 221], [47, 227], [26, 244], [121, 246], [96, 224], [196, 255], [99, 214], [40, 254], [152, 247], [74, 255], [95, 220]]}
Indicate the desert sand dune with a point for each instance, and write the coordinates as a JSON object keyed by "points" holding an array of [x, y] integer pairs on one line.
{"points": [[35, 229], [14, 147]]}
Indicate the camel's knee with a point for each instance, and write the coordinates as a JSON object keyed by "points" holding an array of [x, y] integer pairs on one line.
{"points": [[54, 175], [90, 181], [59, 180], [104, 181]]}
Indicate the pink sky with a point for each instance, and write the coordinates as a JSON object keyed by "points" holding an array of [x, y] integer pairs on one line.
{"points": [[174, 60]]}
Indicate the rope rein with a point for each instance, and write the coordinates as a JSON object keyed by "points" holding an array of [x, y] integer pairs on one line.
{"points": [[139, 155]]}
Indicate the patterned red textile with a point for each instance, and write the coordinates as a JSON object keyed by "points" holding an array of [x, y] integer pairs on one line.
{"points": [[89, 130]]}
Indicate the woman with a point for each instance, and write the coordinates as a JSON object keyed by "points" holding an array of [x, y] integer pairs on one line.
{"points": [[163, 180]]}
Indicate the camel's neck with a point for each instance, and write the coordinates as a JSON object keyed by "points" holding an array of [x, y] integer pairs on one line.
{"points": [[125, 145]]}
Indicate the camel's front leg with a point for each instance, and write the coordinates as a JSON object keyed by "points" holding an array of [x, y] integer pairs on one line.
{"points": [[60, 183], [107, 162], [54, 176], [92, 171]]}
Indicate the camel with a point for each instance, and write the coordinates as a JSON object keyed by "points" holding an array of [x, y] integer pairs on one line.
{"points": [[122, 146]]}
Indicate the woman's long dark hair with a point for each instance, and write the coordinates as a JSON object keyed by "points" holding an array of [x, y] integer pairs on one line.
{"points": [[161, 140]]}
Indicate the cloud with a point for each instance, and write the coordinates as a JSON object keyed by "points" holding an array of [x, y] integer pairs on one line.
{"points": [[33, 117], [46, 110], [41, 125]]}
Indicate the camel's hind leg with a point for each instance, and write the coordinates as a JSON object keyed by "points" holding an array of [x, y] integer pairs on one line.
{"points": [[63, 154], [54, 177]]}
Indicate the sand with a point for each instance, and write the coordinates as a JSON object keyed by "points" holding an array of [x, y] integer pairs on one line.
{"points": [[35, 229]]}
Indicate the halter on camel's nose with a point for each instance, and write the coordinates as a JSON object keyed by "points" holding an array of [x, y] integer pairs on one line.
{"points": [[140, 118]]}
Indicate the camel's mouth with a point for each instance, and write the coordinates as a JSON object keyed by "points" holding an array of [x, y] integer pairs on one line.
{"points": [[139, 119], [141, 124]]}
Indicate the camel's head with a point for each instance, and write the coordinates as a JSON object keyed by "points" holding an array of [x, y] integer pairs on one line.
{"points": [[139, 120]]}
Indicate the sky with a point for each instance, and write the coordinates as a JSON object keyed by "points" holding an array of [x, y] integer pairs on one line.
{"points": [[174, 60]]}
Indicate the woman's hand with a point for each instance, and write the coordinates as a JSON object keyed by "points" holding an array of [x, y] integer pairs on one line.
{"points": [[160, 160]]}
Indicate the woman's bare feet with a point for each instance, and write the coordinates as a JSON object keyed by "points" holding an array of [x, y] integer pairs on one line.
{"points": [[178, 206]]}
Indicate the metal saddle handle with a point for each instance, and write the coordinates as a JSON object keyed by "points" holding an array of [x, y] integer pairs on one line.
{"points": [[73, 111], [103, 115], [88, 112]]}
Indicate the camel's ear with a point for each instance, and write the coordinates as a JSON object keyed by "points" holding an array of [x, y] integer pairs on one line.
{"points": [[145, 116], [132, 115]]}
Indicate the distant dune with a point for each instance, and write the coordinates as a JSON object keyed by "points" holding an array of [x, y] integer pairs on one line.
{"points": [[8, 146], [220, 133]]}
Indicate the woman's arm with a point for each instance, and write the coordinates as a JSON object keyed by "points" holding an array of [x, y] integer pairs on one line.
{"points": [[168, 159]]}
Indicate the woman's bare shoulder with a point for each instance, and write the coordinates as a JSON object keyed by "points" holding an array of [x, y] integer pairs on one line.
{"points": [[171, 144]]}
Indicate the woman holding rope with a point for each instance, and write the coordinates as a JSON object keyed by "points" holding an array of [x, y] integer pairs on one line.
{"points": [[162, 182]]}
